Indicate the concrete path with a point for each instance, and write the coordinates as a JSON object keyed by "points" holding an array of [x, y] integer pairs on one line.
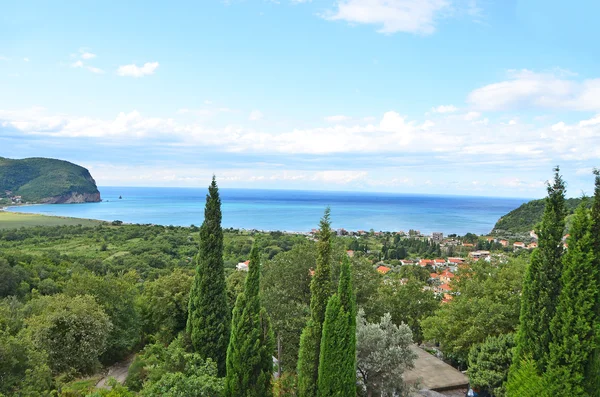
{"points": [[117, 371]]}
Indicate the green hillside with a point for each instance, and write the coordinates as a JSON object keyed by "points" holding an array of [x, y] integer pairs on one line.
{"points": [[523, 219], [43, 180]]}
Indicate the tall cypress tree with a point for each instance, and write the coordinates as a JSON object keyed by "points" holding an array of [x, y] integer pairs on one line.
{"points": [[250, 351], [320, 289], [541, 286], [573, 326], [592, 371], [209, 320], [337, 366]]}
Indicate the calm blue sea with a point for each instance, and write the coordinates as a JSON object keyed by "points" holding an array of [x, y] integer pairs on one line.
{"points": [[292, 210]]}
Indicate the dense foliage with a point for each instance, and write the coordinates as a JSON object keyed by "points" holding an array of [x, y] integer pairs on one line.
{"points": [[321, 290], [208, 322], [36, 179], [526, 217], [486, 303], [249, 354], [542, 283], [383, 353], [337, 361]]}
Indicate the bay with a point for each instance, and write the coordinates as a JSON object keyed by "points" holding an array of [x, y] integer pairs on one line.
{"points": [[292, 210]]}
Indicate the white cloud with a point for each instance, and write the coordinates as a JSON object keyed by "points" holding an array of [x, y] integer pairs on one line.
{"points": [[255, 115], [512, 122], [207, 102], [87, 55], [77, 64], [26, 59], [3, 58], [95, 70], [137, 71], [337, 118], [411, 16], [472, 116], [525, 88], [445, 109]]}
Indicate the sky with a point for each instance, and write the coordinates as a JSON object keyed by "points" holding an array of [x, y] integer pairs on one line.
{"points": [[466, 97]]}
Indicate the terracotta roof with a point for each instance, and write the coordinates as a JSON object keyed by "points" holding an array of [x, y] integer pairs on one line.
{"points": [[445, 287], [455, 260], [383, 269], [433, 275], [439, 261], [447, 273]]}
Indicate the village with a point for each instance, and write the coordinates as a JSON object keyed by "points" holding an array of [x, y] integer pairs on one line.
{"points": [[442, 269]]}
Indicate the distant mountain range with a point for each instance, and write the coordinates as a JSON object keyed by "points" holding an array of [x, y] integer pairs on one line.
{"points": [[523, 219], [43, 180]]}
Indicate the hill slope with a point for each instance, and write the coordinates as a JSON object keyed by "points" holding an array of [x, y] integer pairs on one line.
{"points": [[523, 219], [43, 180]]}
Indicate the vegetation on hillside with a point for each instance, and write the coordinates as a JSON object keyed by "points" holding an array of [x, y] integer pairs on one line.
{"points": [[38, 179], [520, 221], [125, 291]]}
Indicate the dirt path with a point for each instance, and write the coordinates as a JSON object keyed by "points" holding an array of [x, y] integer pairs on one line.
{"points": [[117, 371]]}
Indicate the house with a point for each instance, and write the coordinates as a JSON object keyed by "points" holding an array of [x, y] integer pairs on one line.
{"points": [[518, 244], [532, 234], [383, 269], [479, 254], [350, 253], [504, 243], [405, 262], [425, 262], [532, 245], [434, 276], [243, 266], [438, 262], [455, 261], [446, 276], [437, 237], [442, 289], [468, 245]]}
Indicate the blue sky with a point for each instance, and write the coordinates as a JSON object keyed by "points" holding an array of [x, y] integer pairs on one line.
{"points": [[471, 97]]}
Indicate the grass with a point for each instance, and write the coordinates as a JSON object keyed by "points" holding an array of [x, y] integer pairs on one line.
{"points": [[11, 220]]}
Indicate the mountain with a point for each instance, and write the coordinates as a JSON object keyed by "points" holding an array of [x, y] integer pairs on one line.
{"points": [[51, 181], [523, 219]]}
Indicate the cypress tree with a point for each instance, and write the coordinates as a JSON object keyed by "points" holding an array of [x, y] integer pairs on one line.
{"points": [[592, 371], [337, 366], [208, 322], [573, 326], [541, 286], [250, 351], [320, 290]]}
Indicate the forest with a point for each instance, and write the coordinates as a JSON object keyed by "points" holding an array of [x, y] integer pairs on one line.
{"points": [[305, 319]]}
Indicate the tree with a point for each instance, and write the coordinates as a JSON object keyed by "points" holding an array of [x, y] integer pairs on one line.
{"points": [[542, 283], [117, 294], [286, 296], [337, 365], [251, 346], [486, 303], [73, 331], [383, 353], [165, 305], [575, 322], [524, 380], [208, 320], [172, 372], [489, 363], [592, 369], [320, 289], [407, 302]]}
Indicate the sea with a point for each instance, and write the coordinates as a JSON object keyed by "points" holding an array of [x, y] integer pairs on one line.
{"points": [[292, 210]]}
